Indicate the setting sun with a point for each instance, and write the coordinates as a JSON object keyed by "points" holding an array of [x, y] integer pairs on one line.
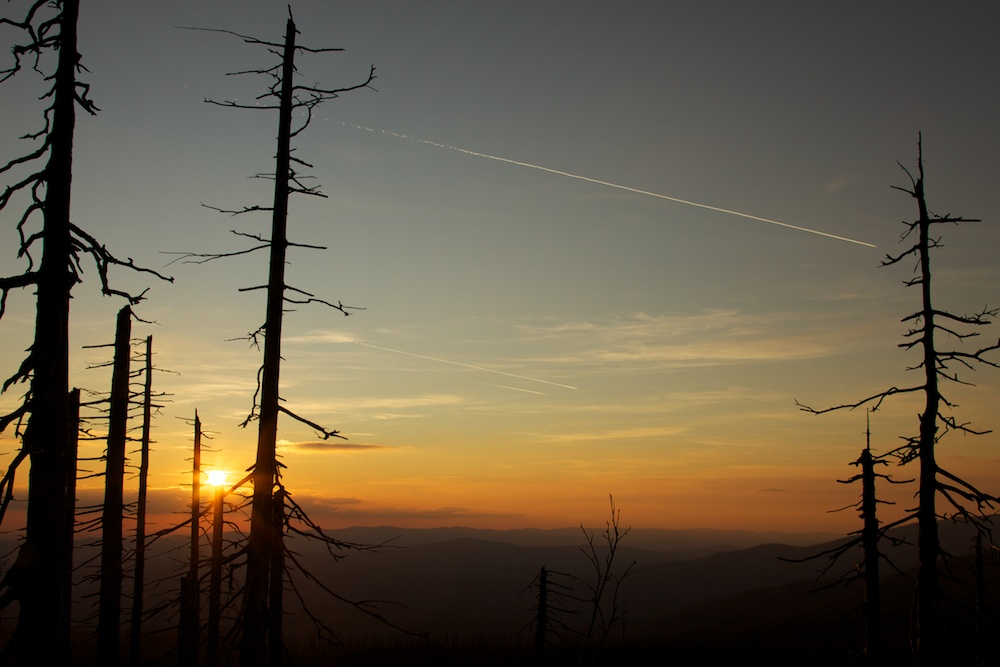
{"points": [[217, 477]]}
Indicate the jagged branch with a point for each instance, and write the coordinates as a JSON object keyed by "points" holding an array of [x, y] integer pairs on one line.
{"points": [[43, 37], [104, 260], [39, 38], [326, 434], [833, 554], [367, 607], [245, 209], [314, 532], [877, 399], [310, 298]]}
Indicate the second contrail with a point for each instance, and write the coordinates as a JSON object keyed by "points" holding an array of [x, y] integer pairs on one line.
{"points": [[677, 200]]}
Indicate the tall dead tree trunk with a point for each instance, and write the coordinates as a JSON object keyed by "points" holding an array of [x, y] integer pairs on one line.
{"points": [[215, 574], [983, 630], [264, 544], [68, 536], [260, 631], [35, 581], [139, 572], [961, 497], [189, 637], [109, 607], [870, 536], [930, 628], [41, 595], [276, 594], [542, 617]]}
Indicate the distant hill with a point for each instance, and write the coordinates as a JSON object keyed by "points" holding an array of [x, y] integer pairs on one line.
{"points": [[474, 580], [657, 539], [690, 589]]}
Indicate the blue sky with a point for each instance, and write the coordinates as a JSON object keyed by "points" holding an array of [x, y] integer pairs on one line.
{"points": [[490, 288]]}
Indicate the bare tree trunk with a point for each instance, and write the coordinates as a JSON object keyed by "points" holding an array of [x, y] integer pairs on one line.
{"points": [[930, 631], [277, 592], [870, 535], [187, 653], [264, 545], [139, 573], [983, 631], [42, 597], [109, 608], [215, 576], [542, 619], [67, 571]]}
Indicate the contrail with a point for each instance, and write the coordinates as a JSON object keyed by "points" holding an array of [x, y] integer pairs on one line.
{"points": [[613, 185], [458, 363], [505, 386]]}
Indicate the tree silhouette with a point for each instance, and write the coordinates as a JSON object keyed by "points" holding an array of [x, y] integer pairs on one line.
{"points": [[265, 553], [602, 590], [109, 614], [139, 569], [35, 579], [189, 632], [869, 538], [593, 597], [939, 366]]}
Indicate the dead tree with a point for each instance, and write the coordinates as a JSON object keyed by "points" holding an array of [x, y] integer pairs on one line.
{"points": [[602, 589], [558, 602], [69, 534], [35, 580], [260, 637], [869, 538], [938, 365], [215, 573], [189, 631], [109, 611], [541, 616], [139, 569]]}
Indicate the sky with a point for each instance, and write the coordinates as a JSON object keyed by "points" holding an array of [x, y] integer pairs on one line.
{"points": [[530, 337]]}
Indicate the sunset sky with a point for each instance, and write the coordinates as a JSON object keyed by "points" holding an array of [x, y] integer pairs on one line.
{"points": [[532, 342]]}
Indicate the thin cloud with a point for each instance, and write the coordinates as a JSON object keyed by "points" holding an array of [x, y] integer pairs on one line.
{"points": [[464, 365], [638, 432], [707, 338], [322, 446]]}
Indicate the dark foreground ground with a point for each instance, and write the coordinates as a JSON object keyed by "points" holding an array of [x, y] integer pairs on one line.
{"points": [[469, 601]]}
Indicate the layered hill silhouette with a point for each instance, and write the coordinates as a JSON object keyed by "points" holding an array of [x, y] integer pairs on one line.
{"points": [[727, 590]]}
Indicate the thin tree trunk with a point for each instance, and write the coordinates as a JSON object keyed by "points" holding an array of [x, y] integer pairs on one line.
{"points": [[187, 654], [982, 625], [139, 574], [870, 539], [263, 545], [542, 619], [109, 608], [42, 597], [67, 571], [277, 592], [930, 632], [215, 577]]}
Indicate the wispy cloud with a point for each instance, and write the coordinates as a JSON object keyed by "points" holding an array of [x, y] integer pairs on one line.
{"points": [[699, 339], [638, 432], [325, 446], [469, 366]]}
